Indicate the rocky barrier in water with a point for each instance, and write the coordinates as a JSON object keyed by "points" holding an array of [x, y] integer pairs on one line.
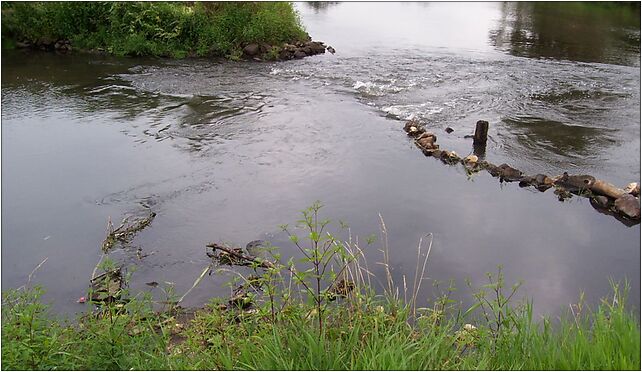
{"points": [[286, 51], [622, 203], [252, 52]]}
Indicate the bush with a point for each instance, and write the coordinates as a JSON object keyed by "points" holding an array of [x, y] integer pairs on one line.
{"points": [[173, 29]]}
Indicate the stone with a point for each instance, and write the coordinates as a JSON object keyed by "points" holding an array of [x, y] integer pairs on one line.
{"points": [[427, 135], [527, 181], [633, 188], [628, 205], [265, 47], [508, 173], [576, 184], [331, 49], [449, 130], [299, 54], [412, 123], [251, 49], [471, 159], [426, 142], [600, 201]]}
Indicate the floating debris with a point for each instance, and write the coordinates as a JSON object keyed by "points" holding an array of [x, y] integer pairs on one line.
{"points": [[107, 287], [235, 257], [125, 231]]}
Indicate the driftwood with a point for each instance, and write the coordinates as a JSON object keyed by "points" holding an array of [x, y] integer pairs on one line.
{"points": [[606, 189], [238, 257], [605, 197]]}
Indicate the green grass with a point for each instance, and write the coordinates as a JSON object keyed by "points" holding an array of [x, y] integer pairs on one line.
{"points": [[174, 29], [365, 333]]}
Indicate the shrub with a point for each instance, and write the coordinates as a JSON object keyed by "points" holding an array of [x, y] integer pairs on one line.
{"points": [[172, 29]]}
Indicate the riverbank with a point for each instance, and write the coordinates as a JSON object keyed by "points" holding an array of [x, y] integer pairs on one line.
{"points": [[362, 333], [265, 31]]}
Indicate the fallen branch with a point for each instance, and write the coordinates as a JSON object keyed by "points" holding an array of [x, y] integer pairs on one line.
{"points": [[237, 253]]}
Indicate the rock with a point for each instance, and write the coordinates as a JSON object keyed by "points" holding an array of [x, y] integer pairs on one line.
{"points": [[23, 45], [633, 188], [331, 49], [299, 54], [628, 205], [492, 169], [449, 157], [285, 55], [315, 47], [427, 135], [251, 49], [412, 123], [264, 47], [427, 143], [576, 184], [416, 131], [600, 201], [527, 181], [45, 41], [449, 130], [508, 173], [471, 159], [437, 153], [542, 182]]}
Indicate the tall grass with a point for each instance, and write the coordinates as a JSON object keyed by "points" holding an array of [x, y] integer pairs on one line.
{"points": [[175, 29], [294, 326]]}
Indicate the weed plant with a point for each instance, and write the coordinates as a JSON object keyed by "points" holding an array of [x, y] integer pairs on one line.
{"points": [[299, 318]]}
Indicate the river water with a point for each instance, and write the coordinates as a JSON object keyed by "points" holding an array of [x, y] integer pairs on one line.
{"points": [[226, 152]]}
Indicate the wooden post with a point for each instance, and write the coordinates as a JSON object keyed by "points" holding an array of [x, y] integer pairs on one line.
{"points": [[481, 133]]}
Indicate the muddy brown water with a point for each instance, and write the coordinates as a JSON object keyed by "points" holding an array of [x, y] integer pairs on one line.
{"points": [[228, 151]]}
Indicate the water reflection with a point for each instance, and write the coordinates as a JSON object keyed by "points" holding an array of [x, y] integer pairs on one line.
{"points": [[577, 31], [320, 6]]}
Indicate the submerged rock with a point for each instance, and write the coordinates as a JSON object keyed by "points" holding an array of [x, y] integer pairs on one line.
{"points": [[628, 205], [600, 201], [449, 130], [508, 174]]}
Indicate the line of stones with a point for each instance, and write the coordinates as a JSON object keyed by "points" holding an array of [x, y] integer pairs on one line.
{"points": [[623, 204]]}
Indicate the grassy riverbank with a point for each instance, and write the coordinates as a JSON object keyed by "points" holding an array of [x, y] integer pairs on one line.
{"points": [[174, 29], [367, 335], [318, 312]]}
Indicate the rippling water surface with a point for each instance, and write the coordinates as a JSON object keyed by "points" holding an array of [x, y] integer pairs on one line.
{"points": [[227, 151]]}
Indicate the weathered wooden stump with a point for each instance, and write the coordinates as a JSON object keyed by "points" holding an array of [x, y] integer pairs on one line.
{"points": [[481, 133]]}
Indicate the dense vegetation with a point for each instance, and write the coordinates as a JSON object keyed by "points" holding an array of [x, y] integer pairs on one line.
{"points": [[175, 29], [368, 335], [290, 322]]}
